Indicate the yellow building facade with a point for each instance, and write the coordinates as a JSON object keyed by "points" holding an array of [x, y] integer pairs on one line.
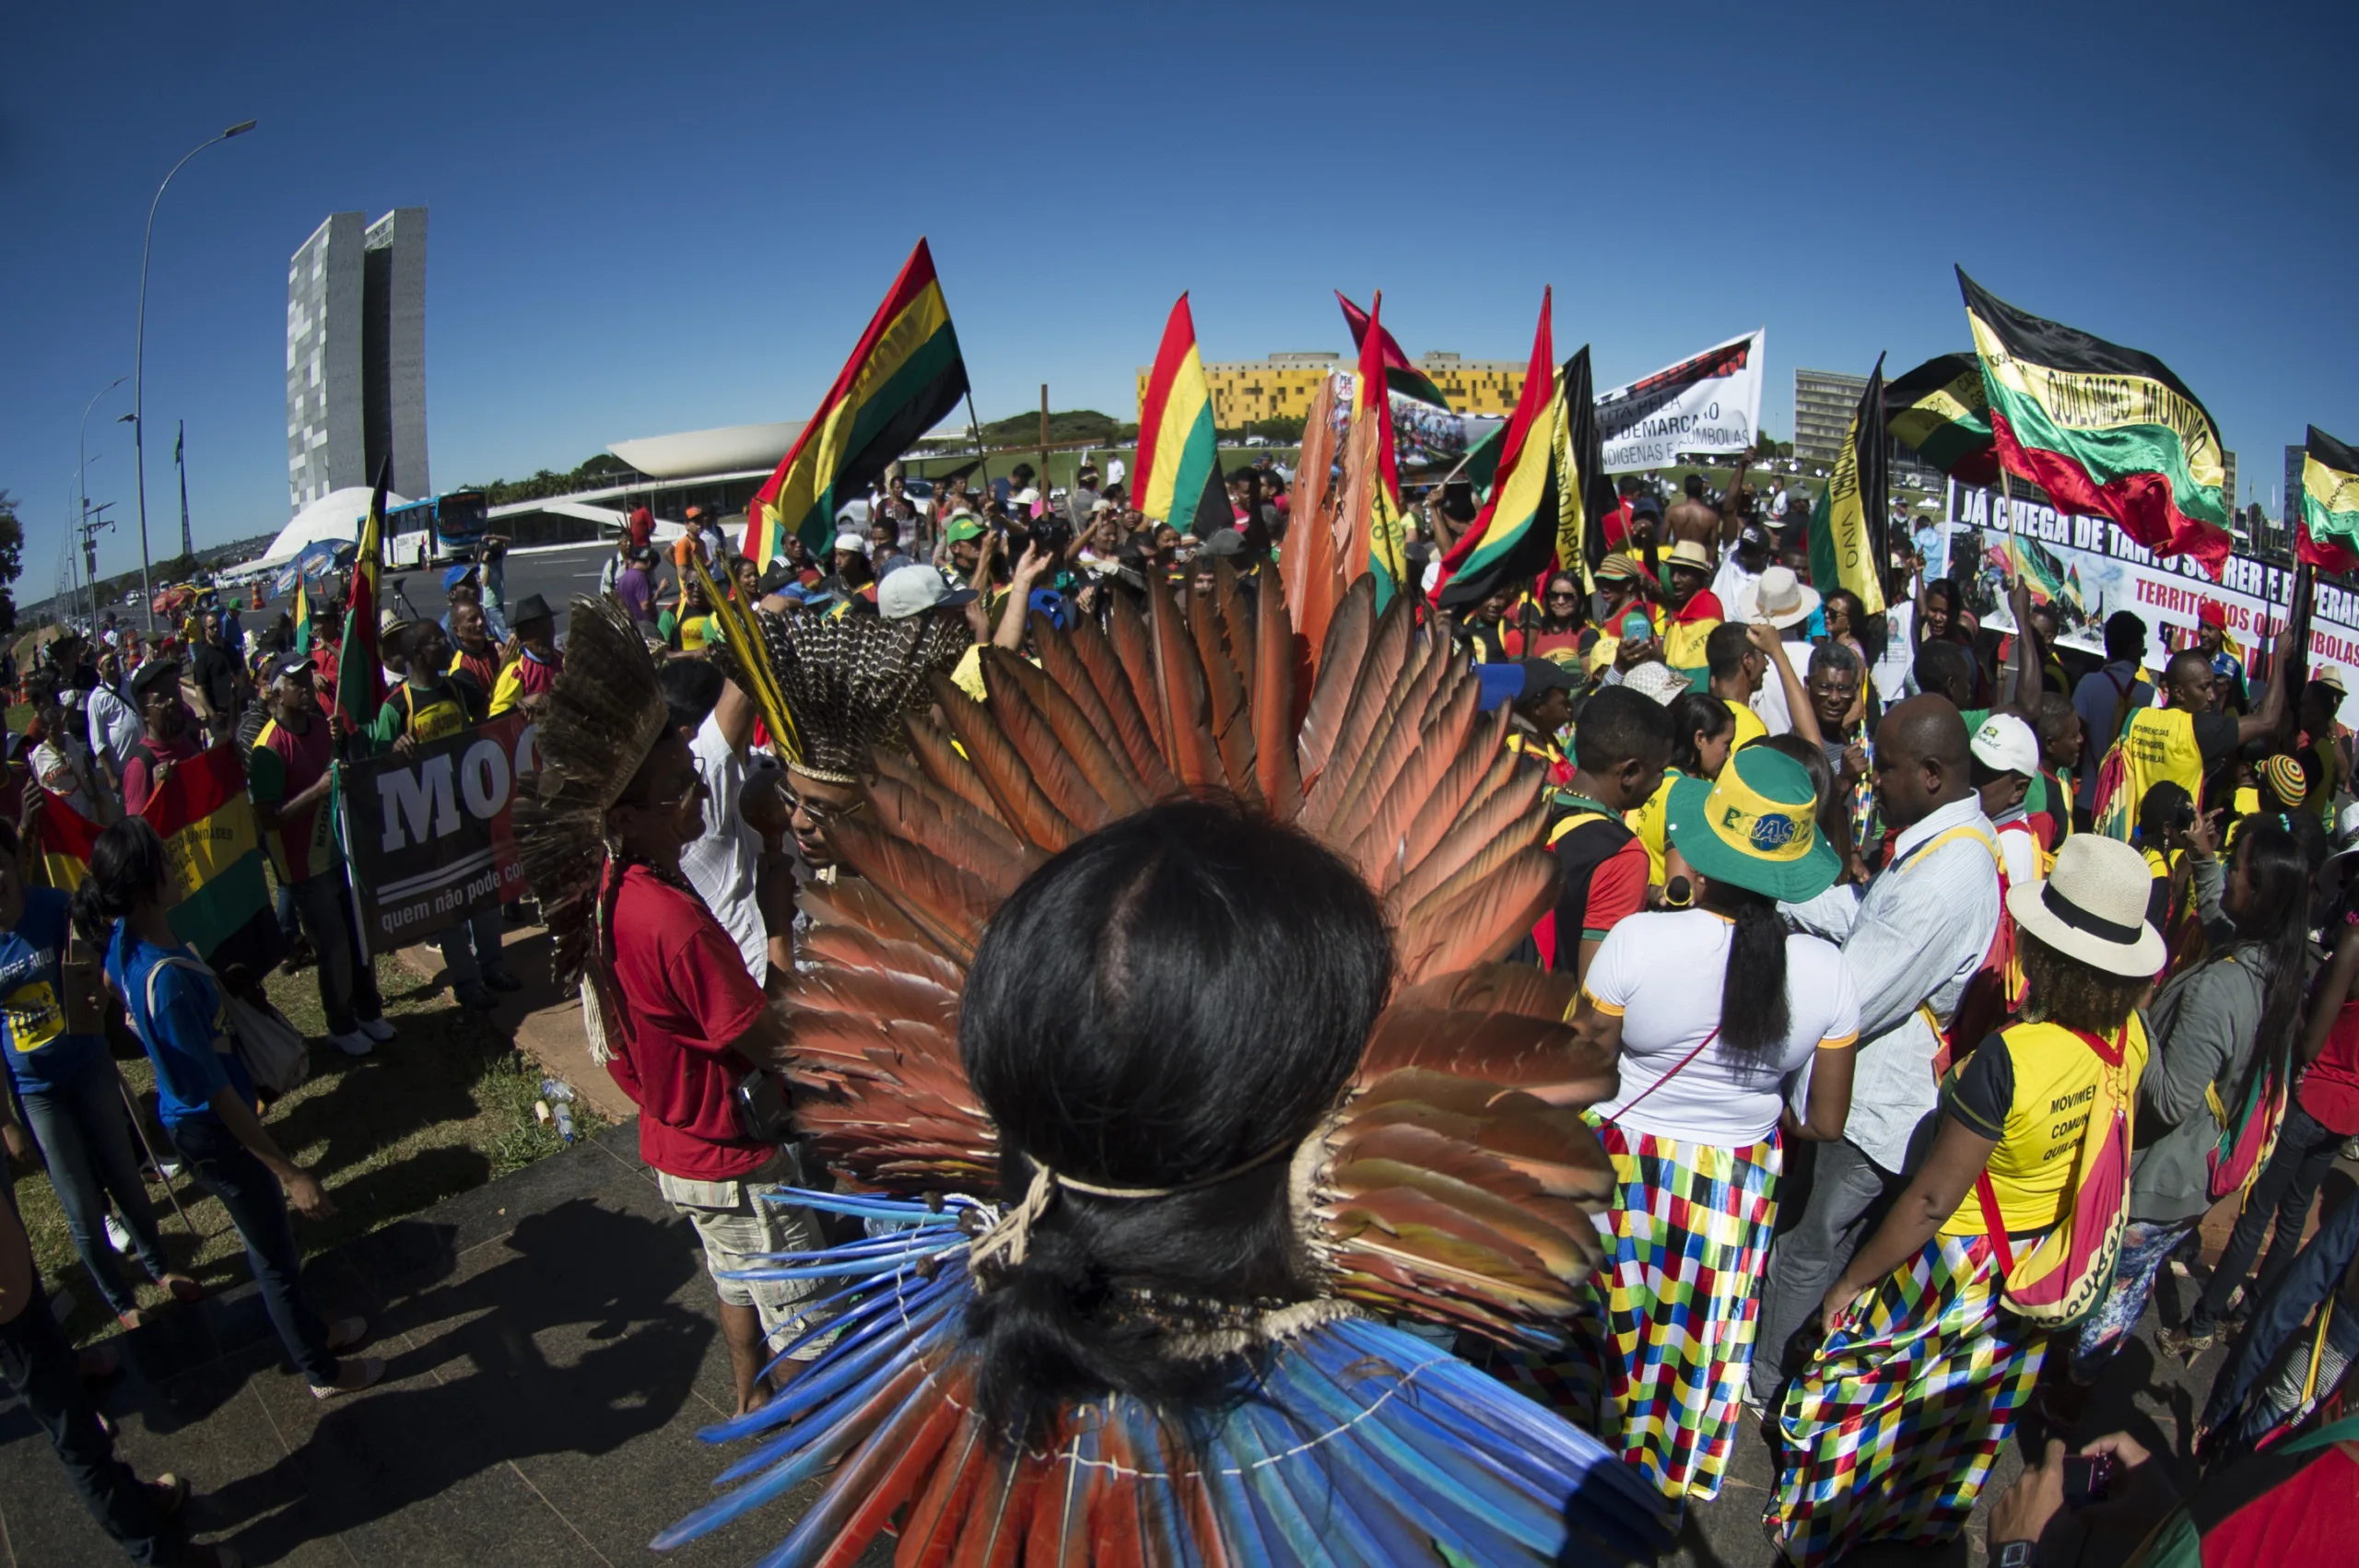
{"points": [[1281, 386]]}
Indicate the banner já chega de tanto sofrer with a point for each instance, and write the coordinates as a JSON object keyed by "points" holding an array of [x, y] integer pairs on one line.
{"points": [[1707, 403], [429, 833], [2090, 568]]}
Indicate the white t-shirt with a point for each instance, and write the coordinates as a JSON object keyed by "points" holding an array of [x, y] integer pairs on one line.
{"points": [[1770, 702], [1662, 974], [721, 865], [2018, 848]]}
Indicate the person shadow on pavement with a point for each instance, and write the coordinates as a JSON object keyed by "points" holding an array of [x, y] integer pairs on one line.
{"points": [[571, 1345]]}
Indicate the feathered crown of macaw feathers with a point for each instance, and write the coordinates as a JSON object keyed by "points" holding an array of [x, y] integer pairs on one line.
{"points": [[604, 717], [1455, 1182], [850, 682]]}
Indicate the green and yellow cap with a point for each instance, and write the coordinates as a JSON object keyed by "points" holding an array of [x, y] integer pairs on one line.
{"points": [[1755, 826], [962, 525]]}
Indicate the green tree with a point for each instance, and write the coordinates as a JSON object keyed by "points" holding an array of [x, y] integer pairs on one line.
{"points": [[12, 560]]}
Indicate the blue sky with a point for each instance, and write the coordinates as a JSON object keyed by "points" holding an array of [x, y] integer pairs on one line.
{"points": [[647, 219]]}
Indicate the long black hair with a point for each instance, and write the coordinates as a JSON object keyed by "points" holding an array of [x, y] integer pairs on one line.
{"points": [[1171, 999], [127, 868], [2274, 921], [1695, 713]]}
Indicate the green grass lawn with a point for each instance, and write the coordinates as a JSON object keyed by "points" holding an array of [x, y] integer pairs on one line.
{"points": [[446, 1106]]}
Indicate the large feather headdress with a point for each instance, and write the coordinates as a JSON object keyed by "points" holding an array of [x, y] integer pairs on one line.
{"points": [[849, 681], [604, 717], [1454, 1183]]}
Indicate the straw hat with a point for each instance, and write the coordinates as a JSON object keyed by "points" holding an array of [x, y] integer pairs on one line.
{"points": [[1656, 679], [1756, 826], [1687, 553], [1782, 599], [2091, 909]]}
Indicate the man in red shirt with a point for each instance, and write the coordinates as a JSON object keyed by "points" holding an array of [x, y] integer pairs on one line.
{"points": [[288, 779], [690, 1025], [1620, 749], [171, 736]]}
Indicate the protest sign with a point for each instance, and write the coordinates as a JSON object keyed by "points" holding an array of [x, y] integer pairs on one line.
{"points": [[1710, 403], [2089, 569], [429, 835]]}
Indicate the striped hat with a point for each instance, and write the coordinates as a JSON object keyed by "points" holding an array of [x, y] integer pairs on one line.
{"points": [[2286, 778]]}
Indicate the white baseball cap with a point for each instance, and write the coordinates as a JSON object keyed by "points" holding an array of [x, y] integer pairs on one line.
{"points": [[915, 588], [852, 540], [2005, 742]]}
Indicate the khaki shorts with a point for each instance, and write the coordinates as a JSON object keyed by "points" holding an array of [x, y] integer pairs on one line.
{"points": [[737, 1227]]}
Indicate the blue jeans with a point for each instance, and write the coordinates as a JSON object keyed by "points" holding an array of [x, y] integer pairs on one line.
{"points": [[347, 986], [228, 1169], [39, 1365], [83, 1131], [472, 946]]}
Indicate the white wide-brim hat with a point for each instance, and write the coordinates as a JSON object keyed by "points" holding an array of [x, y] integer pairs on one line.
{"points": [[2091, 909], [1783, 599]]}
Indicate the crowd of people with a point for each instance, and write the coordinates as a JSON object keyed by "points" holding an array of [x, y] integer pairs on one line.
{"points": [[1949, 978]]}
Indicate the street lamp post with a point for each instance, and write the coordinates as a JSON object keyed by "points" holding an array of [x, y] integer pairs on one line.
{"points": [[139, 365], [81, 481]]}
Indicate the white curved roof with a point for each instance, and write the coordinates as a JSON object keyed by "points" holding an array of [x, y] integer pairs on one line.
{"points": [[336, 515], [727, 450]]}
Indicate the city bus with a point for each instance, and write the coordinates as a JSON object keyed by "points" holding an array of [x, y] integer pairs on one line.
{"points": [[457, 519]]}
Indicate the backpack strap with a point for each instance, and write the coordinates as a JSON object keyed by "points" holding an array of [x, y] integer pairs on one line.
{"points": [[176, 961], [1995, 1225]]}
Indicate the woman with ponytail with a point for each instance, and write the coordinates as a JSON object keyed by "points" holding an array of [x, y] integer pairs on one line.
{"points": [[2214, 1087], [204, 1097], [1714, 1011]]}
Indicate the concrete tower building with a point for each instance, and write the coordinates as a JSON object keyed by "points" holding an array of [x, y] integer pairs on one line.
{"points": [[355, 357]]}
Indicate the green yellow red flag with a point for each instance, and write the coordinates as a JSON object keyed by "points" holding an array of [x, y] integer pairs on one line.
{"points": [[903, 377], [1178, 458], [1372, 502], [2103, 430], [220, 902], [1941, 412], [1515, 536], [1848, 527], [1400, 374], [2327, 513]]}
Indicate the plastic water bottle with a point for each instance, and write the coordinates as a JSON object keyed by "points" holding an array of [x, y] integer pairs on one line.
{"points": [[559, 1095]]}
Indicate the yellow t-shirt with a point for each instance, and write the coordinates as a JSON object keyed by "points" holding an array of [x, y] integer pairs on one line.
{"points": [[1748, 723], [1647, 820], [2159, 746], [2033, 1088]]}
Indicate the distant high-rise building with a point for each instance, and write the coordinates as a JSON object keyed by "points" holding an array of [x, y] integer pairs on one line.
{"points": [[2228, 480], [1824, 402], [355, 357]]}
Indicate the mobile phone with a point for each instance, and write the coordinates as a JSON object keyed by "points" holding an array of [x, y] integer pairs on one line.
{"points": [[1636, 627], [2087, 1479]]}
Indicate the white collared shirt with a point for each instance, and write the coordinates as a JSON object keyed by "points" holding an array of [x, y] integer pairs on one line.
{"points": [[1924, 927]]}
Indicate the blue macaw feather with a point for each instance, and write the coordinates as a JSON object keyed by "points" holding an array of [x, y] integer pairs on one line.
{"points": [[847, 1268], [868, 1296], [904, 1295], [829, 1379], [1233, 1504], [1388, 1537], [815, 1451], [1278, 1513], [1163, 1523], [862, 1207], [1459, 1503], [821, 1419], [1306, 1486], [822, 1524]]}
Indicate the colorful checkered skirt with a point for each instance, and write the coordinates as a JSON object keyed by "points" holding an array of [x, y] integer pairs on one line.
{"points": [[1663, 1341], [1891, 1431]]}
